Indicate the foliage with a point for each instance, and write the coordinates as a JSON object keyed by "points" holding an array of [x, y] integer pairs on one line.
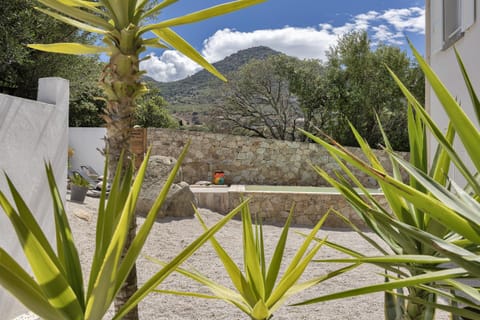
{"points": [[151, 112], [57, 290], [201, 88], [21, 67], [87, 100], [124, 28], [257, 292], [433, 218], [358, 87], [78, 180], [307, 81], [258, 100]]}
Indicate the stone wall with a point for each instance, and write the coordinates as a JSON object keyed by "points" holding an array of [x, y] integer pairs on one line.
{"points": [[250, 160], [32, 132], [274, 206]]}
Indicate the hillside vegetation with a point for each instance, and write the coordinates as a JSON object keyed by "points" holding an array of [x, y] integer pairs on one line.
{"points": [[197, 89]]}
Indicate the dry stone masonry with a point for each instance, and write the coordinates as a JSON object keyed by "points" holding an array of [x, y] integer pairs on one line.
{"points": [[251, 161]]}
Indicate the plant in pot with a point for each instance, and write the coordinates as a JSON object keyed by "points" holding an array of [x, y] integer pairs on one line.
{"points": [[78, 187]]}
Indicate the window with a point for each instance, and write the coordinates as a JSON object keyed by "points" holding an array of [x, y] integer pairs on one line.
{"points": [[452, 21]]}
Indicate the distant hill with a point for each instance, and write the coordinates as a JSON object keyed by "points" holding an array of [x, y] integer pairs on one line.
{"points": [[196, 89]]}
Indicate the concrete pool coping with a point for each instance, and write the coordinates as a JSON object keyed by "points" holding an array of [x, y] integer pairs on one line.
{"points": [[273, 189]]}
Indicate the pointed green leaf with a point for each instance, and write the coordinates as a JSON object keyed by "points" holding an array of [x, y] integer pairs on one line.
{"points": [[289, 279], [20, 284], [468, 83], [276, 262], [468, 210], [142, 234], [466, 130], [422, 201], [220, 291], [204, 14], [260, 311], [407, 258], [77, 13], [30, 222], [70, 48], [464, 288], [188, 294], [234, 272], [455, 311], [50, 278], [67, 252], [104, 288], [438, 134], [156, 9], [306, 243], [153, 282], [107, 219], [409, 282], [252, 265], [177, 42], [441, 161], [77, 24], [396, 170]]}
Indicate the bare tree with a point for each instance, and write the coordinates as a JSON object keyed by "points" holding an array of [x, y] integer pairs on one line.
{"points": [[257, 100]]}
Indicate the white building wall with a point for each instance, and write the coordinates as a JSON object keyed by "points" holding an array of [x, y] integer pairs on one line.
{"points": [[445, 65], [86, 142], [31, 133]]}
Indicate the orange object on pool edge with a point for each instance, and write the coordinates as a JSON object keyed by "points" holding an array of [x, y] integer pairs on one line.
{"points": [[219, 177]]}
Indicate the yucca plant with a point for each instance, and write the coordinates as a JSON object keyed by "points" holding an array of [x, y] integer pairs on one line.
{"points": [[429, 221], [126, 28], [256, 291], [56, 290]]}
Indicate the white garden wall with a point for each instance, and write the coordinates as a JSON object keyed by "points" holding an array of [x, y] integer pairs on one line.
{"points": [[31, 133], [85, 142]]}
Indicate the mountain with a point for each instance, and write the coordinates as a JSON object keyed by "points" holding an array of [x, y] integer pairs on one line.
{"points": [[196, 89]]}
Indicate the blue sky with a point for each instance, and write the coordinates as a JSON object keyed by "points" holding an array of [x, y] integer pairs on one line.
{"points": [[301, 28]]}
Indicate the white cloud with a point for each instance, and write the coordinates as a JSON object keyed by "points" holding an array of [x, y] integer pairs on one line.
{"points": [[308, 42], [406, 20], [170, 66], [298, 42]]}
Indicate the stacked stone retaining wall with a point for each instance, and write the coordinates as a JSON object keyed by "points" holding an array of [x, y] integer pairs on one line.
{"points": [[246, 160]]}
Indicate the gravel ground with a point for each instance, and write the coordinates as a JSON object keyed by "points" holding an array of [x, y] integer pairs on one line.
{"points": [[170, 236]]}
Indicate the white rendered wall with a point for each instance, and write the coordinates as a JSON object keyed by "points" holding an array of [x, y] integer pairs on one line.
{"points": [[85, 142], [31, 133], [445, 65]]}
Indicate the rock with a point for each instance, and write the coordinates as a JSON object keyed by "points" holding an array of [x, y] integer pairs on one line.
{"points": [[179, 199], [159, 167], [179, 202], [82, 214]]}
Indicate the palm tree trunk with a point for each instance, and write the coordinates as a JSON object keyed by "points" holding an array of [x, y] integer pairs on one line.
{"points": [[121, 82]]}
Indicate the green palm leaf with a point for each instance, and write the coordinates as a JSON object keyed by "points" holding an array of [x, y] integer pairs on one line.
{"points": [[412, 281], [466, 130], [204, 14], [70, 48], [173, 39]]}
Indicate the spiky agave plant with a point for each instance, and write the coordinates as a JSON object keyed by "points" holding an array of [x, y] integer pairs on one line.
{"points": [[56, 290], [260, 290], [438, 220]]}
